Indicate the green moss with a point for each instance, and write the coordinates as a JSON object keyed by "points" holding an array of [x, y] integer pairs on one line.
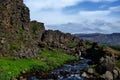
{"points": [[88, 46], [1, 45], [93, 66], [19, 35], [118, 63], [47, 60], [21, 32], [72, 44], [13, 46], [35, 28], [1, 7]]}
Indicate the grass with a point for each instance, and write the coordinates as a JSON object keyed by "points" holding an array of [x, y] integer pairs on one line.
{"points": [[47, 60], [1, 45], [88, 46], [72, 44], [13, 46], [117, 63], [90, 67]]}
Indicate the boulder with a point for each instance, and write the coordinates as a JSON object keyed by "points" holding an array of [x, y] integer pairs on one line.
{"points": [[108, 75], [106, 63]]}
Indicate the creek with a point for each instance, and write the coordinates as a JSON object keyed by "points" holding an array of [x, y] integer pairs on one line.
{"points": [[71, 71]]}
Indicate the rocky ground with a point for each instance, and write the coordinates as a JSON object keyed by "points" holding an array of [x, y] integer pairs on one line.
{"points": [[104, 66]]}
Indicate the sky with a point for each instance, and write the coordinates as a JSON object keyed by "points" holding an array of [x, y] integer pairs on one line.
{"points": [[77, 16]]}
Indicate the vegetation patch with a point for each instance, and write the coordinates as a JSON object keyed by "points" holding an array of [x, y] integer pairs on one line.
{"points": [[118, 63], [1, 45], [35, 28], [13, 46], [116, 51], [115, 47], [72, 44], [20, 34], [89, 46], [47, 60]]}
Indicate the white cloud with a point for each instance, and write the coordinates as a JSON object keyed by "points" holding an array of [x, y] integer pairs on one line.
{"points": [[54, 14], [115, 9], [56, 4], [49, 12], [98, 26], [101, 0], [93, 15], [57, 17]]}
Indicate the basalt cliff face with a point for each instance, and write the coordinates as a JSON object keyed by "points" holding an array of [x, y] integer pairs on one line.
{"points": [[15, 30], [13, 16], [23, 38]]}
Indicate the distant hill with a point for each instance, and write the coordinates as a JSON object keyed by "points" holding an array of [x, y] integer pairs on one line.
{"points": [[109, 39]]}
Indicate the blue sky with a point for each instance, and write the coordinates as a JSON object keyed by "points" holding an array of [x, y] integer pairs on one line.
{"points": [[77, 16]]}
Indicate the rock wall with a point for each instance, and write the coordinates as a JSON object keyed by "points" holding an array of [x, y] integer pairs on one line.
{"points": [[37, 29], [16, 31], [67, 42], [13, 15]]}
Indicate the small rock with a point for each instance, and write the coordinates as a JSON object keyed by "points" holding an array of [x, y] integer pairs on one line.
{"points": [[43, 59], [90, 71], [24, 79], [115, 74], [23, 72], [2, 41], [21, 78], [13, 79], [84, 74]]}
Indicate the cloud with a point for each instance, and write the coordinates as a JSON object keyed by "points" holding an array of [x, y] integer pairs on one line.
{"points": [[93, 15], [57, 4], [115, 9], [50, 12], [54, 4], [98, 26]]}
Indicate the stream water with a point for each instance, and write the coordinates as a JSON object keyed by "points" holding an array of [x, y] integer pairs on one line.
{"points": [[70, 71]]}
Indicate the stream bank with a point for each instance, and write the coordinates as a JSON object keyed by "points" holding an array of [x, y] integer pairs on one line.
{"points": [[69, 71]]}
